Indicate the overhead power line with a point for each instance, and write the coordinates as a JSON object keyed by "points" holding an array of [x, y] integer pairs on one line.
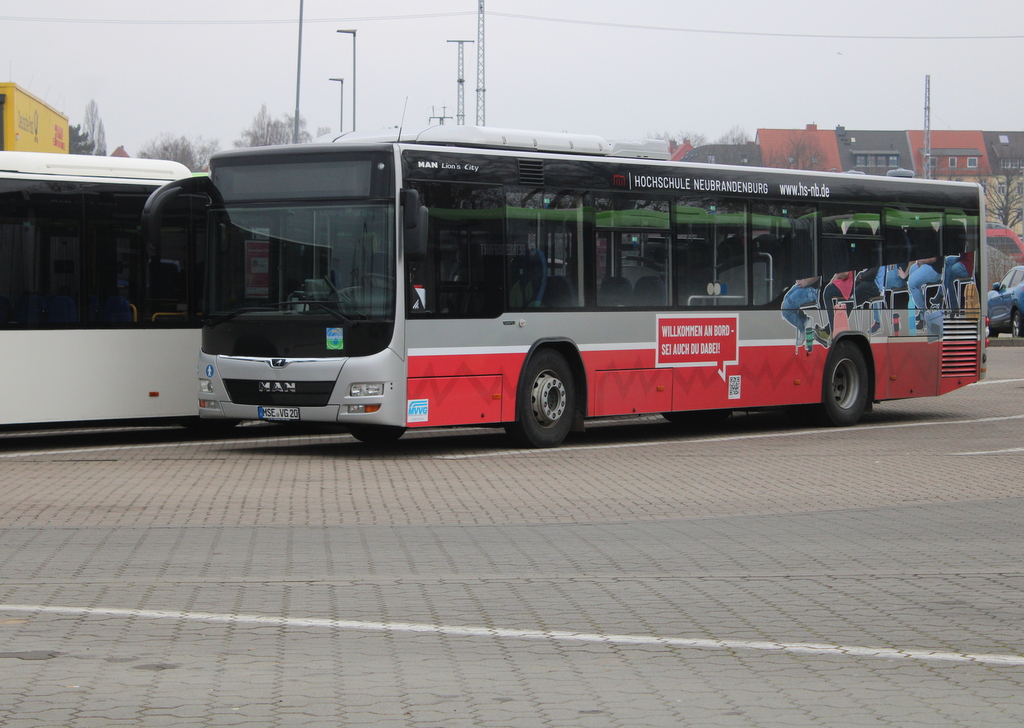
{"points": [[515, 16], [847, 36], [269, 21]]}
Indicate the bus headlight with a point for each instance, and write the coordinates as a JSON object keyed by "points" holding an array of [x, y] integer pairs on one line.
{"points": [[206, 386], [366, 389]]}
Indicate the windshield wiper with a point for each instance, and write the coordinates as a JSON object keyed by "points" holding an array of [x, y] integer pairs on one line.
{"points": [[325, 305], [223, 318]]}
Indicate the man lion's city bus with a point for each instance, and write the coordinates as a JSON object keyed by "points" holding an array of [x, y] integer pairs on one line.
{"points": [[480, 276]]}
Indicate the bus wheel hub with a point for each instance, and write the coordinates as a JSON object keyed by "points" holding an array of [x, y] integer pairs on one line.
{"points": [[548, 398]]}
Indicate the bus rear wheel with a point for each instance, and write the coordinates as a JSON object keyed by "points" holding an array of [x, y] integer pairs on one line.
{"points": [[546, 404], [844, 396]]}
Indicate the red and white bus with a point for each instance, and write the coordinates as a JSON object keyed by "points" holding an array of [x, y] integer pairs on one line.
{"points": [[480, 276]]}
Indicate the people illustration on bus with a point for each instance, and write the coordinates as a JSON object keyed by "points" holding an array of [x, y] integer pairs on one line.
{"points": [[803, 294]]}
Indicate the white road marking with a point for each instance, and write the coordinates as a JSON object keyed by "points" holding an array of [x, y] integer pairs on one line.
{"points": [[796, 648], [992, 452], [723, 438], [285, 439]]}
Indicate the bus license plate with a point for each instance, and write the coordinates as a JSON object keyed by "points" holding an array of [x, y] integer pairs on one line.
{"points": [[278, 413]]}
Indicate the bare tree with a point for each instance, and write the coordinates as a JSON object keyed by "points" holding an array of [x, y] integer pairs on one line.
{"points": [[736, 135], [696, 139], [193, 153], [93, 128], [1004, 197], [266, 131], [800, 151]]}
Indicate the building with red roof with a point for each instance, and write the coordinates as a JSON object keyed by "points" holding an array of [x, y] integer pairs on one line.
{"points": [[954, 154], [807, 148]]}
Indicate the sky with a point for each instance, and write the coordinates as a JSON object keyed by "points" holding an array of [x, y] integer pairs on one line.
{"points": [[621, 70]]}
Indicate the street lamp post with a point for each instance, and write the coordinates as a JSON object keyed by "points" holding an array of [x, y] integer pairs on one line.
{"points": [[341, 109], [298, 80], [353, 34]]}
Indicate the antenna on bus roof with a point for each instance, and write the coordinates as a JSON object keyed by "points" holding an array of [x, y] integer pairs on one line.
{"points": [[402, 124]]}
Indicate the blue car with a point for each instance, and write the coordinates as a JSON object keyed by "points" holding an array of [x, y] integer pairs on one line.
{"points": [[1006, 303]]}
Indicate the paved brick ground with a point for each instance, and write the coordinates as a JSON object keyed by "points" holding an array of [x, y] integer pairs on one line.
{"points": [[639, 576]]}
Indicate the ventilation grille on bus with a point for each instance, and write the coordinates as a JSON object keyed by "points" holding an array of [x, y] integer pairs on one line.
{"points": [[531, 171], [305, 394], [960, 347]]}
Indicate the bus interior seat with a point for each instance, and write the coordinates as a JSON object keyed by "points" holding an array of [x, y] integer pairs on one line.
{"points": [[31, 309], [560, 293], [527, 280], [63, 310], [650, 291], [614, 291], [117, 309], [730, 252]]}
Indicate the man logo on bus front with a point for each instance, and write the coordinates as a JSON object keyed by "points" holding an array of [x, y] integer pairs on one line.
{"points": [[277, 387]]}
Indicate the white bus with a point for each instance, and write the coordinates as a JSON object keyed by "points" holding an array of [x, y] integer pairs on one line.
{"points": [[465, 275], [95, 323]]}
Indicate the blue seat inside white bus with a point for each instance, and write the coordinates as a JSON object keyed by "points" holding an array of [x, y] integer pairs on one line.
{"points": [[31, 309], [62, 310], [117, 309]]}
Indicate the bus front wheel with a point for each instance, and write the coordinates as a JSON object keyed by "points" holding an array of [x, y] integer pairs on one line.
{"points": [[376, 434], [844, 396], [546, 404]]}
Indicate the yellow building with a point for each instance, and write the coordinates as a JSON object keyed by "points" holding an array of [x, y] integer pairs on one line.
{"points": [[27, 124]]}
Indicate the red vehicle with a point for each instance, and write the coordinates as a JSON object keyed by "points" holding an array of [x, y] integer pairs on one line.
{"points": [[467, 275]]}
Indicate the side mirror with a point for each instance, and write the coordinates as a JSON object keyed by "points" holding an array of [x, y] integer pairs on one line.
{"points": [[416, 220], [153, 210]]}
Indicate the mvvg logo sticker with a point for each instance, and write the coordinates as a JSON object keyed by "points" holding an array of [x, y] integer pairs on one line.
{"points": [[419, 410], [336, 338]]}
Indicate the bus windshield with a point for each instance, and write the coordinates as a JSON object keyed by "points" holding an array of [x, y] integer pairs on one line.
{"points": [[326, 259]]}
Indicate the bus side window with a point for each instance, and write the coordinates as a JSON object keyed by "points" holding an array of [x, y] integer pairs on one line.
{"points": [[632, 254], [544, 229], [711, 252], [463, 271]]}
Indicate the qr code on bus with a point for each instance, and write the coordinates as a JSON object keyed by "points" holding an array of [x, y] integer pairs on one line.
{"points": [[734, 386]]}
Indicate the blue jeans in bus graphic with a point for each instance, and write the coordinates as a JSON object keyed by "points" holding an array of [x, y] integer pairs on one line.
{"points": [[796, 298], [955, 269], [921, 276]]}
